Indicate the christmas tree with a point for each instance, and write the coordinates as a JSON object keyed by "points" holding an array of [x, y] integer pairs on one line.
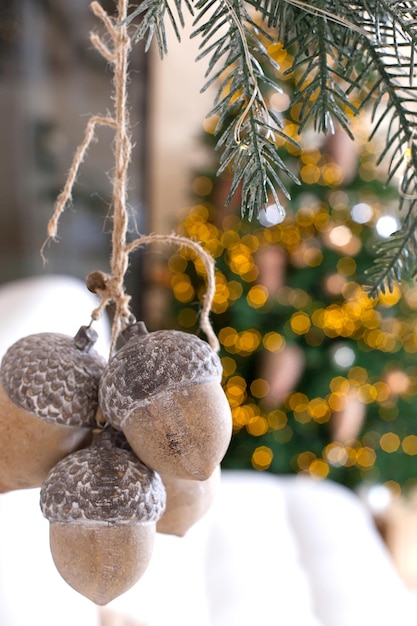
{"points": [[320, 376]]}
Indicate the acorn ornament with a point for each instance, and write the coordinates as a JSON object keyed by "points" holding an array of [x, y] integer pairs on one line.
{"points": [[102, 504], [187, 502], [48, 403], [163, 390]]}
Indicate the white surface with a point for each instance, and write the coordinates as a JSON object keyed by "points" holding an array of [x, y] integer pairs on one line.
{"points": [[273, 551], [59, 304]]}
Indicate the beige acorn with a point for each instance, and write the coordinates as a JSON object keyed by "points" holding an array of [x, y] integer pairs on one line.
{"points": [[48, 403], [102, 504], [163, 390], [187, 502]]}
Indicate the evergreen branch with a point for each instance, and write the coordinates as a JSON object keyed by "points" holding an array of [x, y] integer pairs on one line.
{"points": [[248, 142], [395, 259], [153, 15], [397, 119]]}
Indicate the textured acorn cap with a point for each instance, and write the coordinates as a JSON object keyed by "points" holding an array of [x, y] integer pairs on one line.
{"points": [[102, 484], [55, 377], [151, 363]]}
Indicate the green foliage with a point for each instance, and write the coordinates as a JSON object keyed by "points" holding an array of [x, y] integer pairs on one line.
{"points": [[346, 56]]}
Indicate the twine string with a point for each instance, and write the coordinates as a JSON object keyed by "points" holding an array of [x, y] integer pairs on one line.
{"points": [[209, 267], [110, 287]]}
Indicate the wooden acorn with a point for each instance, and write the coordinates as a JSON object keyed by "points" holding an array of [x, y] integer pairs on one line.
{"points": [[187, 502], [48, 403], [102, 504], [163, 390]]}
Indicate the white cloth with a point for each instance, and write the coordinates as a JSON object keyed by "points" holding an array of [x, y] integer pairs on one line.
{"points": [[273, 551]]}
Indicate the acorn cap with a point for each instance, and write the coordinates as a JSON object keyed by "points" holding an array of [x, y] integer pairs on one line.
{"points": [[150, 363], [102, 484], [54, 376]]}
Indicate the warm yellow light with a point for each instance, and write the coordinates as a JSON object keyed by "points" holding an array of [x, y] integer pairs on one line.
{"points": [[310, 174], [389, 298], [242, 415], [277, 419], [235, 390], [358, 375], [339, 383], [229, 238], [262, 458], [336, 454], [367, 393], [257, 296], [182, 289], [259, 388], [276, 52], [248, 341], [273, 342], [337, 401], [257, 426], [389, 442], [332, 174], [319, 469], [300, 323], [229, 366], [319, 410], [298, 401], [409, 445], [365, 457], [304, 459], [228, 337], [177, 263], [235, 289]]}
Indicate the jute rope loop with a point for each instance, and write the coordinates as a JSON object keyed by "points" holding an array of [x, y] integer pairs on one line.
{"points": [[110, 287]]}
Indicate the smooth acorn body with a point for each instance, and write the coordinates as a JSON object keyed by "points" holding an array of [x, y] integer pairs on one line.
{"points": [[103, 505], [187, 502], [30, 447], [163, 390], [48, 403], [99, 560]]}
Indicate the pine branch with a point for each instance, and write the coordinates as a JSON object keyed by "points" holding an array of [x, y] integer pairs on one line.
{"points": [[396, 257], [375, 60], [340, 49], [231, 39], [153, 16]]}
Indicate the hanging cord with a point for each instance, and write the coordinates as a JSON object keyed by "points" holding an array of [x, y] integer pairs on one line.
{"points": [[110, 288]]}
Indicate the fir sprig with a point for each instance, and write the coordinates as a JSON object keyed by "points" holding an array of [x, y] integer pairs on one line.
{"points": [[346, 55], [153, 16], [248, 143]]}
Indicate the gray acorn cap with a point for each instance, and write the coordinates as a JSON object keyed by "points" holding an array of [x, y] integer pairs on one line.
{"points": [[102, 484], [54, 377], [150, 363]]}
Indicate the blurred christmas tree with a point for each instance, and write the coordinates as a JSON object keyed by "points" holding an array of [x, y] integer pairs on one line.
{"points": [[321, 378]]}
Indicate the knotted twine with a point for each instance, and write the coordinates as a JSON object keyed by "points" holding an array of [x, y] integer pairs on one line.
{"points": [[110, 287]]}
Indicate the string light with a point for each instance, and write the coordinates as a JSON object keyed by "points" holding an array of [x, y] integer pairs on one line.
{"points": [[354, 339]]}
